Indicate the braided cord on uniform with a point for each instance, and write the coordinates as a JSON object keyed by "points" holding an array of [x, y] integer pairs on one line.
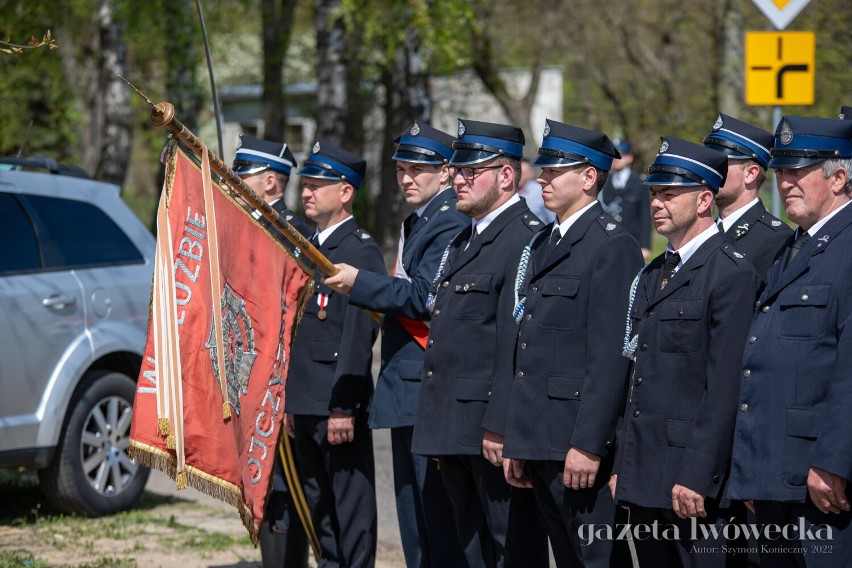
{"points": [[430, 299], [518, 310], [630, 343]]}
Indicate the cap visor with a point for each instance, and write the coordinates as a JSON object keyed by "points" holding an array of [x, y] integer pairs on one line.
{"points": [[249, 168], [469, 157], [792, 162], [415, 158], [730, 152], [665, 178], [546, 161], [317, 172]]}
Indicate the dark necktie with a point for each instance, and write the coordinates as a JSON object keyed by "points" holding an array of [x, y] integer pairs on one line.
{"points": [[473, 234], [797, 246], [720, 225], [408, 224], [672, 260], [555, 237]]}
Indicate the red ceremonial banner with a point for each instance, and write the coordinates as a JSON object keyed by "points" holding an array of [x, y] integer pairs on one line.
{"points": [[211, 419]]}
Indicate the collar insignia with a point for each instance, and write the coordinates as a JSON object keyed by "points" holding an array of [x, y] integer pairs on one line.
{"points": [[738, 254], [610, 226], [776, 223]]}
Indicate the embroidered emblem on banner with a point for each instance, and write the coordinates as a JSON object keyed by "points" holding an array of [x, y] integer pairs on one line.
{"points": [[239, 345]]}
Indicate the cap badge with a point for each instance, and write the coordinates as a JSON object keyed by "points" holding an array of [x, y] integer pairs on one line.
{"points": [[546, 129], [316, 148], [415, 130], [461, 128], [664, 147], [786, 134], [718, 124], [240, 140]]}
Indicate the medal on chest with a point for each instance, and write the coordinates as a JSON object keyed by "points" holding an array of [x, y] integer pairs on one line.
{"points": [[322, 302]]}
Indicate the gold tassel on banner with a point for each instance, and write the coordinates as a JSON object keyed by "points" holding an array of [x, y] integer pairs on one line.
{"points": [[170, 442], [226, 411], [180, 480], [163, 426]]}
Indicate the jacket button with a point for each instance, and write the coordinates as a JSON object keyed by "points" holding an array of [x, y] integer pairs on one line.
{"points": [[523, 345], [428, 374], [715, 479], [335, 353], [747, 373], [577, 394], [804, 297], [649, 313], [489, 393], [446, 284], [635, 413], [535, 289], [520, 373], [764, 309], [529, 317], [436, 312], [644, 347], [752, 339], [430, 342], [743, 407], [637, 381]]}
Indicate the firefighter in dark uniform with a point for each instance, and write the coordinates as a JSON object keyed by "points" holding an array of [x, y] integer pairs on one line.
{"points": [[425, 519], [567, 387], [742, 217], [265, 166], [625, 198], [329, 383], [497, 524], [690, 312], [792, 452]]}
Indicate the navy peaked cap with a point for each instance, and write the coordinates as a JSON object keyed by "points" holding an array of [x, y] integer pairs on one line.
{"points": [[482, 141], [802, 141], [845, 113], [254, 156], [683, 163], [566, 145], [327, 161], [422, 144], [740, 140]]}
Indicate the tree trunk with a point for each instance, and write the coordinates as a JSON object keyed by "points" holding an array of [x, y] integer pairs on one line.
{"points": [[277, 29], [332, 102], [115, 124], [407, 98], [182, 88]]}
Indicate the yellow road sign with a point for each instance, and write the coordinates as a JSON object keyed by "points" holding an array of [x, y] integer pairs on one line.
{"points": [[780, 68]]}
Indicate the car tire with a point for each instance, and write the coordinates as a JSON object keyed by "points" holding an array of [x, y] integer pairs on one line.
{"points": [[91, 473]]}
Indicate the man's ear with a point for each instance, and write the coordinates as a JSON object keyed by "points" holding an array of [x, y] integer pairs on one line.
{"points": [[347, 193]]}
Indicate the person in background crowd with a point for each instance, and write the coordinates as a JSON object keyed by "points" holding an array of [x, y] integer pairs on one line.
{"points": [[626, 199]]}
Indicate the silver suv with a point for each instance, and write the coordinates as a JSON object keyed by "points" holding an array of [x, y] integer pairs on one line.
{"points": [[75, 279]]}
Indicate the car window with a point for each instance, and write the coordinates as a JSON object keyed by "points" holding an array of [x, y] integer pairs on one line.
{"points": [[81, 234], [20, 248]]}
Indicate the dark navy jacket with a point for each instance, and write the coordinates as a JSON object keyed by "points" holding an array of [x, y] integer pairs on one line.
{"points": [[330, 359], [569, 381], [679, 419], [796, 392], [759, 236], [461, 356], [398, 386]]}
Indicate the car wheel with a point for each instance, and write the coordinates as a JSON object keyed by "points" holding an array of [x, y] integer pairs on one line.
{"points": [[91, 473]]}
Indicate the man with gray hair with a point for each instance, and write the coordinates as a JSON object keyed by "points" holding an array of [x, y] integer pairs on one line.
{"points": [[792, 453]]}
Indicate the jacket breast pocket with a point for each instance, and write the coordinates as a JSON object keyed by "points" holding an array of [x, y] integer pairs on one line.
{"points": [[558, 303], [803, 312], [681, 327], [473, 296]]}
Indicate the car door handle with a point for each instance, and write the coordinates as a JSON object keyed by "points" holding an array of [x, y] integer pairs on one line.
{"points": [[57, 301]]}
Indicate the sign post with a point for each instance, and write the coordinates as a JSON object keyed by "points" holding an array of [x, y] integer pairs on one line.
{"points": [[780, 67]]}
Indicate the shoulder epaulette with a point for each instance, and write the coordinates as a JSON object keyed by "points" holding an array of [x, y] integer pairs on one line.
{"points": [[733, 253]]}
